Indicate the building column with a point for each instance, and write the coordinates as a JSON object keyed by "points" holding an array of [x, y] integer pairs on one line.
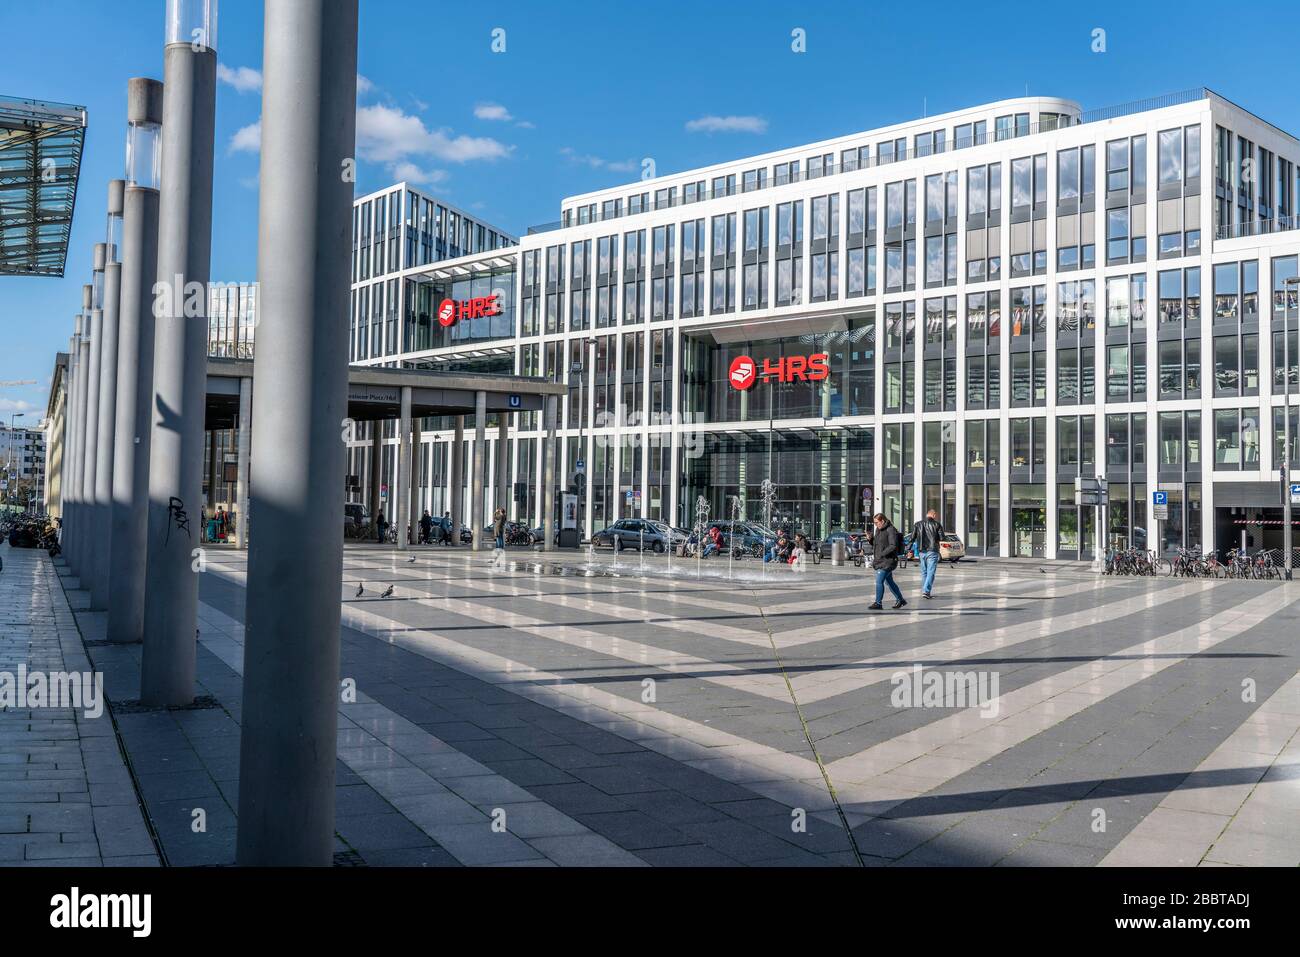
{"points": [[376, 471], [477, 463], [99, 589], [402, 484], [416, 496], [291, 652], [68, 492], [242, 447], [503, 463], [214, 471], [453, 480], [547, 452], [131, 431], [180, 357]]}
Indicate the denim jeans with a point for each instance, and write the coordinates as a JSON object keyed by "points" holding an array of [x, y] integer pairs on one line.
{"points": [[500, 541], [885, 576], [929, 562]]}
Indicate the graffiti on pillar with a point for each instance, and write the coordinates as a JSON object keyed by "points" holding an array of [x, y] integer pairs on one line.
{"points": [[176, 518]]}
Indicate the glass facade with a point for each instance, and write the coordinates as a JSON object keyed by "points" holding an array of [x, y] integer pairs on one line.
{"points": [[967, 314]]}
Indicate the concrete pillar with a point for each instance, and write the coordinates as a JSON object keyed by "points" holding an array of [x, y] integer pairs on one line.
{"points": [[376, 472], [241, 480], [478, 463], [131, 430], [416, 497], [291, 650], [180, 357], [503, 459], [548, 453], [107, 408], [453, 480], [402, 483]]}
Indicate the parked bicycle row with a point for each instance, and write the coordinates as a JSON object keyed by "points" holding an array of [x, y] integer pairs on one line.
{"points": [[1263, 565]]}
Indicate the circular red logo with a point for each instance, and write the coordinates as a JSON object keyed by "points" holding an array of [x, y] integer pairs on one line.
{"points": [[447, 312], [742, 372]]}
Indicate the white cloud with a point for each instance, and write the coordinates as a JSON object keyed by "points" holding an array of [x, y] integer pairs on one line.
{"points": [[15, 405], [597, 162], [727, 124], [247, 139], [364, 85], [386, 134], [243, 78], [409, 172], [492, 111]]}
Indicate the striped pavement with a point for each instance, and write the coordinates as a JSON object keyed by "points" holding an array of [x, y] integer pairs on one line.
{"points": [[635, 715]]}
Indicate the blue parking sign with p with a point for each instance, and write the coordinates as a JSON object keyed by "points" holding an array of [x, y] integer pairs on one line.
{"points": [[1159, 498]]}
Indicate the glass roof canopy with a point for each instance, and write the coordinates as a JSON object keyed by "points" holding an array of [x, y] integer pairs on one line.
{"points": [[40, 163]]}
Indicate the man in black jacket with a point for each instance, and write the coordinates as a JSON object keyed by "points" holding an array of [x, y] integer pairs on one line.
{"points": [[926, 536], [884, 550]]}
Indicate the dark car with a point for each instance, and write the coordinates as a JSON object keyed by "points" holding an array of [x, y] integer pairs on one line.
{"points": [[539, 534], [635, 533]]}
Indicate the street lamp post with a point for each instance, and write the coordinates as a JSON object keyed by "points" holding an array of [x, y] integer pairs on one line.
{"points": [[295, 562], [180, 353], [134, 379]]}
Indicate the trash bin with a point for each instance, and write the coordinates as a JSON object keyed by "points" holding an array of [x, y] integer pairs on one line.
{"points": [[837, 552]]}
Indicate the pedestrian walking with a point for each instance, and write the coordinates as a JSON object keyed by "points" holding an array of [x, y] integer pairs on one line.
{"points": [[499, 527], [426, 528], [382, 525], [926, 536], [886, 544]]}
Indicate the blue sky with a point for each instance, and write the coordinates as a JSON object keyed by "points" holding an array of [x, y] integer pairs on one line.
{"points": [[585, 91]]}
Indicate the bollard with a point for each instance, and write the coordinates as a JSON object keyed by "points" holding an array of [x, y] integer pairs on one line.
{"points": [[837, 552]]}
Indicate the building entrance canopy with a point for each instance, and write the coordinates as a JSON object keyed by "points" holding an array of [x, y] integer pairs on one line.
{"points": [[375, 393]]}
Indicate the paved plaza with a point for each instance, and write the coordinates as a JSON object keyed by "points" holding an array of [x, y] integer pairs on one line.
{"points": [[544, 710]]}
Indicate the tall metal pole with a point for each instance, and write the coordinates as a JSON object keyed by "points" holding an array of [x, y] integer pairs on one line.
{"points": [[291, 648], [83, 418], [89, 466], [180, 354], [102, 530], [70, 453], [131, 429]]}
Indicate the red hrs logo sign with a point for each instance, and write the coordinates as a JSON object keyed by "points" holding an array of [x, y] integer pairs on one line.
{"points": [[451, 310], [745, 371]]}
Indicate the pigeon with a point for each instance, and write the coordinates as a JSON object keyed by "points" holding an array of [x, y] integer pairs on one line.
{"points": [[388, 592], [361, 589], [411, 560]]}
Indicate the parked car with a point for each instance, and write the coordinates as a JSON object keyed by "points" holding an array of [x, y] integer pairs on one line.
{"points": [[677, 537], [356, 520], [631, 533], [539, 534], [952, 549], [853, 542]]}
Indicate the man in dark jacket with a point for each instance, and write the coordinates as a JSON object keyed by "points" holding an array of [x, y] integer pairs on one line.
{"points": [[885, 547], [926, 536]]}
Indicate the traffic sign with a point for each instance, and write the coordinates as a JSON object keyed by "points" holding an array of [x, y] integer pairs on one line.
{"points": [[1160, 506], [1295, 493]]}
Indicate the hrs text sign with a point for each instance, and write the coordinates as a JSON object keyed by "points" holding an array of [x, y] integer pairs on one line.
{"points": [[745, 371]]}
